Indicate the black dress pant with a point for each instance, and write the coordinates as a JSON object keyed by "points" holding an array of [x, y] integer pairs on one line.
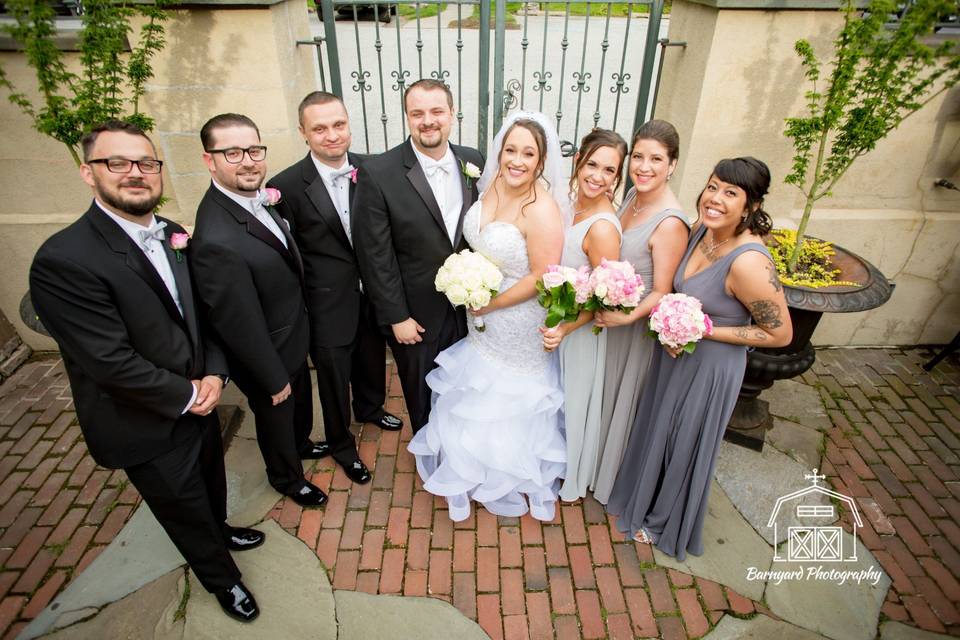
{"points": [[186, 489], [415, 361], [283, 430], [360, 366]]}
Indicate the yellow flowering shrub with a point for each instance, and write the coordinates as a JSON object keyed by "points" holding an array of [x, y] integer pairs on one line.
{"points": [[814, 266]]}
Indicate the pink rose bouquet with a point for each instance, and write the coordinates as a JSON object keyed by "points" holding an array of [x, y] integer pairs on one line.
{"points": [[678, 321], [562, 291], [616, 287]]}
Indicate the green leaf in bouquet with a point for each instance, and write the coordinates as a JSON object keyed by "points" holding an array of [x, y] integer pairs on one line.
{"points": [[690, 347], [555, 315]]}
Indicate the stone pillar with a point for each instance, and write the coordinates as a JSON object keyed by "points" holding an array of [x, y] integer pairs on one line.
{"points": [[728, 93], [235, 55]]}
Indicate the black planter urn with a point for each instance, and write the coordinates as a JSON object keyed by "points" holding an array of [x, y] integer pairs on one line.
{"points": [[751, 417]]}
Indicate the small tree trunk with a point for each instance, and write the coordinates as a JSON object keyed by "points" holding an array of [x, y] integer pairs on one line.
{"points": [[74, 154], [801, 231]]}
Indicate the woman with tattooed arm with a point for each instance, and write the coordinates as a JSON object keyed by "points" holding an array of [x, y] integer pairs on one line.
{"points": [[661, 491]]}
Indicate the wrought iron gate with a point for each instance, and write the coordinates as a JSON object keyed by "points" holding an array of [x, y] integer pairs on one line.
{"points": [[596, 59]]}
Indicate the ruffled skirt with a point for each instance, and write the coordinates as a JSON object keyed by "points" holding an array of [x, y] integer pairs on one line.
{"points": [[494, 436]]}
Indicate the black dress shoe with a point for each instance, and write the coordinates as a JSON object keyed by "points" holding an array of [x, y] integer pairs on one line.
{"points": [[238, 603], [241, 538], [388, 422], [316, 450], [357, 471], [308, 496]]}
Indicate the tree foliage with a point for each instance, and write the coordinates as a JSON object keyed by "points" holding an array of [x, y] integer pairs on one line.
{"points": [[112, 72], [879, 76]]}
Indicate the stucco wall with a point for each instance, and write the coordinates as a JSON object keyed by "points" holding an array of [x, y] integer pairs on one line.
{"points": [[217, 59], [729, 92]]}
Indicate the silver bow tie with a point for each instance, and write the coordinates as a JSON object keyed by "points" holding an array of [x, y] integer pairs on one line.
{"points": [[432, 169], [153, 232], [342, 173]]}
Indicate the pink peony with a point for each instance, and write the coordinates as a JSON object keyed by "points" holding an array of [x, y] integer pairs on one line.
{"points": [[679, 322]]}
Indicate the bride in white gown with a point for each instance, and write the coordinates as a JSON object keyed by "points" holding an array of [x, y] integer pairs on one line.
{"points": [[495, 430]]}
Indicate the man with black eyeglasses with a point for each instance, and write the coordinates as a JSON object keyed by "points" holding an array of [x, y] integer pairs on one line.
{"points": [[249, 275], [114, 290]]}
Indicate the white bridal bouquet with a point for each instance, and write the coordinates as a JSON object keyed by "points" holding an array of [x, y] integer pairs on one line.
{"points": [[468, 278]]}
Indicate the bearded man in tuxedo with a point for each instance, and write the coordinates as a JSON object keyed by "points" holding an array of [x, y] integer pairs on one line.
{"points": [[250, 278], [114, 290], [408, 218], [346, 345]]}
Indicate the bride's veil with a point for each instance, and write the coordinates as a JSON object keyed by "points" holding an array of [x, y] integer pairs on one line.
{"points": [[553, 171]]}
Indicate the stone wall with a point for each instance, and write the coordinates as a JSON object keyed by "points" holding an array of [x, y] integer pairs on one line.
{"points": [[729, 91], [219, 57]]}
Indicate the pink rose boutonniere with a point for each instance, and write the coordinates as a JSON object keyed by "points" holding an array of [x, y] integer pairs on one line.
{"points": [[353, 175], [178, 242], [272, 196]]}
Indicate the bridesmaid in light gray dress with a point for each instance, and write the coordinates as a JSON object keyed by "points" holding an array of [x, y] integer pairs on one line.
{"points": [[594, 236], [661, 492], [654, 239]]}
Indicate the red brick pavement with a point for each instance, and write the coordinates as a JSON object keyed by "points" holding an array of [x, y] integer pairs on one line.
{"points": [[58, 510], [895, 447]]}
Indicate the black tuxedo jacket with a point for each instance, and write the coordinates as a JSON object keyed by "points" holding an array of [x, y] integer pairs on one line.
{"points": [[128, 352], [400, 237], [330, 268], [252, 289]]}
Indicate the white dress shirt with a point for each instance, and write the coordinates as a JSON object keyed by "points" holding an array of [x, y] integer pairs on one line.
{"points": [[157, 256], [444, 179], [337, 182], [258, 211]]}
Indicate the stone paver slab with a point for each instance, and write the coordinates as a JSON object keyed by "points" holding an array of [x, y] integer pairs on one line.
{"points": [[362, 617], [731, 547], [755, 480], [147, 614], [758, 628], [290, 586], [801, 443], [797, 402], [892, 630], [847, 611]]}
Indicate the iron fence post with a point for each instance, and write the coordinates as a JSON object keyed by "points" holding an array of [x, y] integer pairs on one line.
{"points": [[649, 57], [501, 14], [484, 84], [333, 54]]}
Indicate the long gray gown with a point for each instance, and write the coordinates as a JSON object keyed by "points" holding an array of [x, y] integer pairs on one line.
{"points": [[664, 482], [629, 349]]}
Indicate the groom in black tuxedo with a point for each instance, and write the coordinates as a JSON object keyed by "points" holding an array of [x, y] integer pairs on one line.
{"points": [[408, 218], [346, 345], [114, 290], [250, 278]]}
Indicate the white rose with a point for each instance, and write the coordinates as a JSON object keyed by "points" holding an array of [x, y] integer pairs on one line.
{"points": [[479, 299], [471, 170], [457, 295]]}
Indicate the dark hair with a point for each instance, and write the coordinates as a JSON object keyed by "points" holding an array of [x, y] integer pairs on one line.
{"points": [[428, 84], [90, 138], [661, 131], [597, 139], [223, 121], [316, 97], [753, 176]]}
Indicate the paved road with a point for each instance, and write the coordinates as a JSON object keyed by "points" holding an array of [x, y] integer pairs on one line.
{"points": [[585, 52]]}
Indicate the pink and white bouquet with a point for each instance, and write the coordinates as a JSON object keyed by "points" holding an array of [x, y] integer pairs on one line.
{"points": [[469, 278], [678, 321], [616, 287], [562, 291]]}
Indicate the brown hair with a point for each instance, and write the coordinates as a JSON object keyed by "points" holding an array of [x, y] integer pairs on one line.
{"points": [[428, 84], [753, 176], [223, 121], [597, 139], [316, 97], [662, 132], [88, 140], [540, 137]]}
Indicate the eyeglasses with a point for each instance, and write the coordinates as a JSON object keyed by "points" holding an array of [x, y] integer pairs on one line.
{"points": [[234, 155], [122, 165]]}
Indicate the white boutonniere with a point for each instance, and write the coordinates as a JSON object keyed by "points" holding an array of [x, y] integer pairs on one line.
{"points": [[470, 170]]}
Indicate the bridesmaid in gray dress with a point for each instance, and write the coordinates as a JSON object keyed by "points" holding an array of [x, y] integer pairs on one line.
{"points": [[654, 238], [661, 492], [594, 235]]}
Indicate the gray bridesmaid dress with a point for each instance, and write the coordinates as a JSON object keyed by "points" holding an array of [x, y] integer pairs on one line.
{"points": [[629, 349], [664, 482], [582, 356]]}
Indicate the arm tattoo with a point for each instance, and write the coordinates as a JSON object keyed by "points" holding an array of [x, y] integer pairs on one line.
{"points": [[765, 313], [744, 333], [740, 332], [774, 278]]}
